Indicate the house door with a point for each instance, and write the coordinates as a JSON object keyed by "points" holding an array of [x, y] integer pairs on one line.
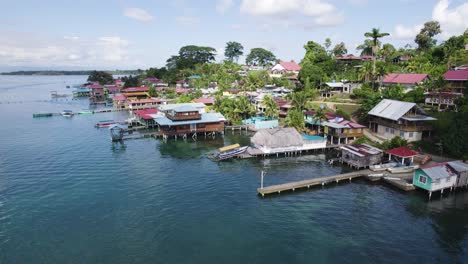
{"points": [[193, 127]]}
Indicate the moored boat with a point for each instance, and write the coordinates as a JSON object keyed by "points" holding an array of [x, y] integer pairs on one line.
{"points": [[403, 169], [67, 113], [382, 167], [228, 152], [85, 112]]}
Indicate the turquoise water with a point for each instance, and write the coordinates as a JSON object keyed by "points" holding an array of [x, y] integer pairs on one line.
{"points": [[69, 195], [312, 137]]}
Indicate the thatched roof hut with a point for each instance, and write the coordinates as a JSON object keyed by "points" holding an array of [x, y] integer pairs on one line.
{"points": [[277, 140]]}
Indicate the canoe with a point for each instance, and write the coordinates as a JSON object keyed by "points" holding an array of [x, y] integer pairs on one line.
{"points": [[43, 115]]}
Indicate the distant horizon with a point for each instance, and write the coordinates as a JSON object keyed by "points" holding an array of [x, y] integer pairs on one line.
{"points": [[146, 34]]}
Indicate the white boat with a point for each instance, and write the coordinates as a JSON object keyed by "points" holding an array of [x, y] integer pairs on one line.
{"points": [[403, 169], [67, 113], [382, 167], [376, 175], [229, 152]]}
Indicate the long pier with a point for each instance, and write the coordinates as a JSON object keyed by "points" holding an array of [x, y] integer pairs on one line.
{"points": [[292, 186]]}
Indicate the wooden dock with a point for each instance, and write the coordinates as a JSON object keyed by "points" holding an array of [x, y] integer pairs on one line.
{"points": [[292, 186]]}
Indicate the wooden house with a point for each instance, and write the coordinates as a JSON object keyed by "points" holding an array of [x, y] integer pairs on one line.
{"points": [[185, 120], [435, 177], [96, 94], [457, 80], [143, 103], [146, 117], [136, 93], [391, 118], [360, 156], [461, 169], [335, 128]]}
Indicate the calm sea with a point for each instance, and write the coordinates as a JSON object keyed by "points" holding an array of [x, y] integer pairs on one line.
{"points": [[69, 195]]}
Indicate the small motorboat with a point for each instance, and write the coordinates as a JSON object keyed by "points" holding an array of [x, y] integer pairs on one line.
{"points": [[228, 152], [67, 113], [85, 112], [107, 123], [382, 167], [403, 169]]}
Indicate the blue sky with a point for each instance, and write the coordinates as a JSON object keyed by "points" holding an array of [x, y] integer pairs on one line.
{"points": [[126, 34]]}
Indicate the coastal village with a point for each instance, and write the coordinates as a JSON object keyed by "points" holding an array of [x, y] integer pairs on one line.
{"points": [[376, 110]]}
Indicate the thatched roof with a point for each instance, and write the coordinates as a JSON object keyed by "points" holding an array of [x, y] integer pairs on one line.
{"points": [[277, 138]]}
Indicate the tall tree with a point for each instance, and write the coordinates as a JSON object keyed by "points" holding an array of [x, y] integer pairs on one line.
{"points": [[295, 118], [327, 44], [339, 49], [260, 56], [233, 50], [101, 77], [374, 35], [191, 55], [425, 39], [271, 109]]}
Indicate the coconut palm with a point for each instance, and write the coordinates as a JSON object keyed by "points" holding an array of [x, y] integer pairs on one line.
{"points": [[271, 108], [374, 35], [319, 116]]}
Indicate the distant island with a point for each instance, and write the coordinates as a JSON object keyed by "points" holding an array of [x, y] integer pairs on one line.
{"points": [[116, 72]]}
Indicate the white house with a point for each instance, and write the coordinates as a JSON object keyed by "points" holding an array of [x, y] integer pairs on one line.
{"points": [[284, 67]]}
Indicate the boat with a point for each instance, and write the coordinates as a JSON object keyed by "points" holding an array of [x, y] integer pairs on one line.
{"points": [[85, 112], [228, 152], [106, 123], [43, 114], [403, 169], [376, 175], [382, 167], [67, 113]]}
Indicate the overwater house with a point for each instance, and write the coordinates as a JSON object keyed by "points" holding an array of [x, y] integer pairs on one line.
{"points": [[284, 67], [96, 95], [436, 177], [402, 155], [361, 156], [81, 92], [461, 169], [119, 101], [143, 103], [408, 81], [285, 140], [167, 108], [146, 117], [187, 120], [260, 122], [334, 127], [136, 93], [112, 89], [391, 118]]}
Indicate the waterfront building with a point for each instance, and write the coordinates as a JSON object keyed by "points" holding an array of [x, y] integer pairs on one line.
{"points": [[96, 95], [143, 103], [135, 93], [185, 120], [436, 177], [119, 101], [391, 118], [146, 117], [401, 154], [461, 169], [335, 127], [81, 92], [361, 156], [285, 140], [167, 108]]}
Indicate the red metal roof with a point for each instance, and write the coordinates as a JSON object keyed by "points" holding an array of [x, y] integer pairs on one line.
{"points": [[142, 101], [290, 66], [405, 78], [209, 100], [402, 152], [460, 75], [119, 97], [182, 90], [145, 114], [136, 89], [348, 57]]}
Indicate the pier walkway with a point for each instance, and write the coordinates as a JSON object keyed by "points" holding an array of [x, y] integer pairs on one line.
{"points": [[292, 186]]}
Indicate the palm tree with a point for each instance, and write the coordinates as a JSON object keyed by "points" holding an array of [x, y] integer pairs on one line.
{"points": [[319, 116], [375, 34], [271, 109], [299, 100]]}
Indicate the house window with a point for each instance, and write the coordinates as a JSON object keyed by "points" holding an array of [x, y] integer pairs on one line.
{"points": [[402, 134], [392, 131], [386, 130], [351, 130], [422, 179], [410, 134], [359, 130]]}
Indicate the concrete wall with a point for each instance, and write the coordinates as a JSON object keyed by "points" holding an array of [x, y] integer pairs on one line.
{"points": [[389, 133]]}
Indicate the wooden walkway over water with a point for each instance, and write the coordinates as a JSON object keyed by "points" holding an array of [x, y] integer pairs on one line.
{"points": [[292, 186]]}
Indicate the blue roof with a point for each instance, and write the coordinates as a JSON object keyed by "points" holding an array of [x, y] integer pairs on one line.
{"points": [[185, 108], [82, 90], [194, 77], [205, 118]]}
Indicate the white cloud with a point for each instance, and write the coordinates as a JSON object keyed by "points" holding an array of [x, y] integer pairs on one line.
{"points": [[138, 14], [403, 32], [223, 5], [303, 13], [452, 22], [30, 49], [358, 2], [186, 20]]}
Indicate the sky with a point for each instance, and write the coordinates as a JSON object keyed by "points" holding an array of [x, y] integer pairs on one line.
{"points": [[130, 34]]}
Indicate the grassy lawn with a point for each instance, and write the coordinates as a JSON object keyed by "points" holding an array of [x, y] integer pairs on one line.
{"points": [[350, 109]]}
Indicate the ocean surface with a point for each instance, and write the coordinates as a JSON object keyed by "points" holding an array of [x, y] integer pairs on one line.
{"points": [[70, 195]]}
